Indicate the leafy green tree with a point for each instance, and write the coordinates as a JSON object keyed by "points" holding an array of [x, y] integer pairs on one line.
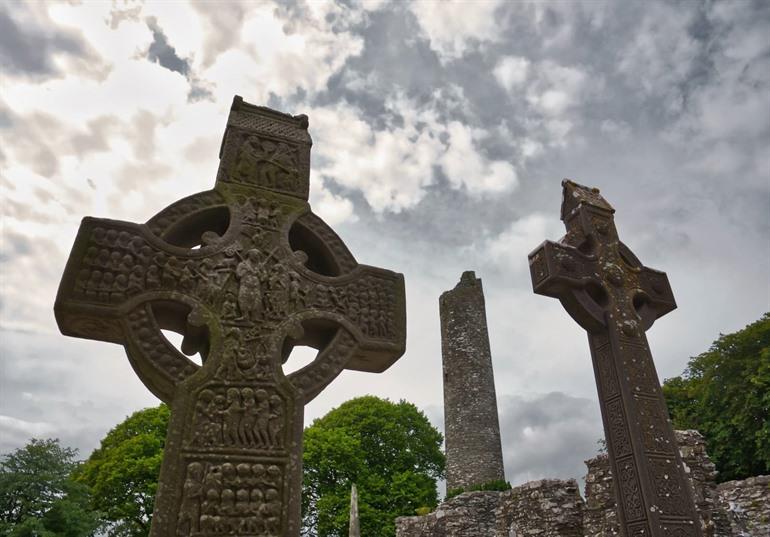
{"points": [[37, 496], [725, 394], [122, 474], [389, 450]]}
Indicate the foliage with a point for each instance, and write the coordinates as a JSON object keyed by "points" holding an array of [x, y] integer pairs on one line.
{"points": [[497, 484], [122, 474], [389, 450], [37, 496], [725, 394]]}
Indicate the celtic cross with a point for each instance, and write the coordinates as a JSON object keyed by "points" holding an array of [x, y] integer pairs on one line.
{"points": [[608, 291], [245, 272]]}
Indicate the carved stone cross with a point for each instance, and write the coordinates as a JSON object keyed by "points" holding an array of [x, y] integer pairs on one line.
{"points": [[245, 272], [608, 291]]}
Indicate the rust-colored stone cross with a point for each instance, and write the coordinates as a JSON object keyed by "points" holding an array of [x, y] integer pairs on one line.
{"points": [[608, 291], [245, 272]]}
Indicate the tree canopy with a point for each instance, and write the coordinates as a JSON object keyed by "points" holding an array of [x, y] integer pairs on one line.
{"points": [[389, 450], [37, 496], [122, 474], [725, 394]]}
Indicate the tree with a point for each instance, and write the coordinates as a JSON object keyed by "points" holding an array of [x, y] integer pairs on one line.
{"points": [[389, 450], [725, 394], [38, 498], [122, 474]]}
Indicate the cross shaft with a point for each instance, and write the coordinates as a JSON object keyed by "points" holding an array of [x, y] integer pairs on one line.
{"points": [[608, 291]]}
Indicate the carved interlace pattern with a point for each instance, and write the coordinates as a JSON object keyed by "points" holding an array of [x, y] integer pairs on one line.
{"points": [[607, 376], [652, 420], [269, 126], [669, 489], [621, 444], [633, 505]]}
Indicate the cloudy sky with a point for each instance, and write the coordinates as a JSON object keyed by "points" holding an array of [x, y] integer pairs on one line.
{"points": [[441, 133]]}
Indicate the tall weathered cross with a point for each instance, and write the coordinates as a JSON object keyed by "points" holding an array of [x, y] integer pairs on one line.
{"points": [[608, 291], [245, 272]]}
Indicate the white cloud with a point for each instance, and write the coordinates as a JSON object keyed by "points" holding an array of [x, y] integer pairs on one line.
{"points": [[453, 27], [393, 166], [510, 248], [511, 72]]}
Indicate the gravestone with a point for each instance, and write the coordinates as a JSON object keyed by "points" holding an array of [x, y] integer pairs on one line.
{"points": [[616, 299], [245, 272], [474, 454]]}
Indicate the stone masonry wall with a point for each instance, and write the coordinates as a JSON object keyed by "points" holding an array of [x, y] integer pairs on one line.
{"points": [[545, 508], [551, 508], [473, 450], [748, 506]]}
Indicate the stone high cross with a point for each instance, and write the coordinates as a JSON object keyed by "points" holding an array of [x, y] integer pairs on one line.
{"points": [[245, 272], [608, 291]]}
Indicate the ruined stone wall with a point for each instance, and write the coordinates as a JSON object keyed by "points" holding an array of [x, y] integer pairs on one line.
{"points": [[600, 519], [748, 506], [545, 508], [551, 508], [471, 514], [473, 450]]}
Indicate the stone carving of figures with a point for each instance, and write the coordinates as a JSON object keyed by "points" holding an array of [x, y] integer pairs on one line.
{"points": [[245, 477], [213, 479], [119, 288], [296, 295], [152, 277], [229, 474], [111, 237], [171, 273], [227, 502], [258, 470], [203, 419], [192, 494], [232, 417], [242, 502], [98, 235], [135, 280], [263, 418], [103, 259], [322, 297], [276, 420], [81, 283], [186, 277], [229, 310], [115, 260], [104, 290], [271, 511], [249, 419], [273, 475], [250, 273], [124, 239], [210, 505], [382, 324], [255, 501], [126, 263]]}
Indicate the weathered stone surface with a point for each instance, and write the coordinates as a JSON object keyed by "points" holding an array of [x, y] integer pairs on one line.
{"points": [[733, 509], [616, 299], [472, 429], [245, 272], [354, 527], [748, 506], [544, 508], [600, 518], [471, 514]]}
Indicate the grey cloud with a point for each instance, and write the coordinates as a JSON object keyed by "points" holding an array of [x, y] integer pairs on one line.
{"points": [[548, 436], [27, 46], [162, 52], [42, 389]]}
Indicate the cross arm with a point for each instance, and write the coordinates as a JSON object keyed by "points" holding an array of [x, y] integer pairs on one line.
{"points": [[564, 272]]}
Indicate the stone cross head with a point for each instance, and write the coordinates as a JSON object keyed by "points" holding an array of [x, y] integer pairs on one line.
{"points": [[244, 272]]}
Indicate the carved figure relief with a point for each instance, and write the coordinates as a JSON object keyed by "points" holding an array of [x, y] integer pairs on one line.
{"points": [[226, 269], [240, 498]]}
